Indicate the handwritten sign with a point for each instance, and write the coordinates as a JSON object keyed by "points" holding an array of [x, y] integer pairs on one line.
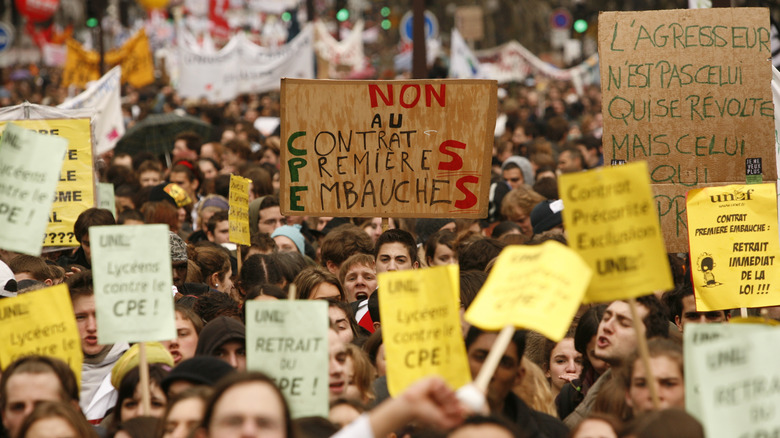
{"points": [[238, 214], [41, 323], [131, 265], [288, 340], [76, 188], [527, 288], [29, 168], [688, 91], [734, 246], [387, 148], [736, 388], [609, 217], [421, 327]]}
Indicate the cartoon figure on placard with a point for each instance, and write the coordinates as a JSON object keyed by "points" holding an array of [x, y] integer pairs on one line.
{"points": [[706, 264]]}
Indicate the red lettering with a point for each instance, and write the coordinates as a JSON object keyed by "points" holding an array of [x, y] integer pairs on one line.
{"points": [[374, 89], [457, 162], [416, 96], [440, 96], [471, 199]]}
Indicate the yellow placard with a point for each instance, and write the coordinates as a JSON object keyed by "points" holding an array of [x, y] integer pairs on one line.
{"points": [[421, 327], [40, 322], [734, 246], [611, 221], [238, 215], [534, 287], [82, 66], [76, 188]]}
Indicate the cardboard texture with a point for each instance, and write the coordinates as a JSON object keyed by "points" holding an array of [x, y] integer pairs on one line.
{"points": [[238, 215], [734, 246], [387, 148], [689, 92]]}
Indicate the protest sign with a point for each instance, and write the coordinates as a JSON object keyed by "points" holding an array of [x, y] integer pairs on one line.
{"points": [[611, 223], [243, 67], [421, 327], [238, 214], [387, 148], [535, 287], [76, 190], [40, 322], [105, 197], [288, 340], [30, 166], [688, 91], [734, 246], [737, 390], [103, 97], [131, 266]]}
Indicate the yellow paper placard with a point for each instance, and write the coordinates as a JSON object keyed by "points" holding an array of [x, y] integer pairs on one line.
{"points": [[421, 327], [82, 66], [734, 246], [535, 287], [238, 215], [76, 188], [612, 223], [40, 322]]}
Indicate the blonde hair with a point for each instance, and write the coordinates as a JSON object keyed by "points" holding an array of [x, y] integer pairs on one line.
{"points": [[534, 388]]}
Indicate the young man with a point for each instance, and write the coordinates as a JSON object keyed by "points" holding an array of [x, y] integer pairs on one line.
{"points": [[31, 380], [218, 228], [185, 177], [27, 267], [395, 251], [682, 306], [501, 400], [97, 393], [90, 217], [270, 215], [358, 277], [616, 342], [186, 146], [341, 243], [224, 338]]}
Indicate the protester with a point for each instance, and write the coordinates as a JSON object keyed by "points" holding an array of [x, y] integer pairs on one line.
{"points": [[395, 251], [666, 367], [315, 283], [188, 328], [357, 276], [224, 338], [184, 412], [563, 363], [56, 419]]}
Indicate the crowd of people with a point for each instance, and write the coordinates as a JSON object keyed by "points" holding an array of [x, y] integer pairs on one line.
{"points": [[590, 384]]}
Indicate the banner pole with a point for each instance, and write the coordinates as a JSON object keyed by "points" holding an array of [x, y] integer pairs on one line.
{"points": [[143, 372], [644, 353], [494, 357]]}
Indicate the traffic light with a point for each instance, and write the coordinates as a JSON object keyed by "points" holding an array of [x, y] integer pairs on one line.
{"points": [[94, 10], [580, 17], [342, 14]]}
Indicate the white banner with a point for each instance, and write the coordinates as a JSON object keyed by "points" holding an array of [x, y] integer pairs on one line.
{"points": [[463, 63], [103, 97], [243, 67], [340, 54]]}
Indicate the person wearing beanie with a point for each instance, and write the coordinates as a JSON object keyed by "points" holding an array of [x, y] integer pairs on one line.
{"points": [[547, 216], [522, 163], [155, 353], [289, 238], [178, 259], [199, 370], [224, 338]]}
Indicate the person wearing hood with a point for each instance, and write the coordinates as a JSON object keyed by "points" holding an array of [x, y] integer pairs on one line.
{"points": [[97, 393], [224, 338]]}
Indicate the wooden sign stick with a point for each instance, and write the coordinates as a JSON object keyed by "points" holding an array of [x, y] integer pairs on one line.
{"points": [[291, 291], [644, 353], [238, 260], [143, 372], [385, 224], [494, 357]]}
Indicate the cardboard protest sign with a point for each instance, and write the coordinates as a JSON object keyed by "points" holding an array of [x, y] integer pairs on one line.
{"points": [[40, 322], [611, 223], [76, 189], [238, 214], [535, 287], [131, 266], [734, 246], [387, 148], [421, 327], [288, 340], [105, 197], [688, 91], [738, 390], [29, 169]]}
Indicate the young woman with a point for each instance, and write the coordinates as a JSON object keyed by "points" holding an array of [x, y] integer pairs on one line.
{"points": [[184, 412], [128, 402]]}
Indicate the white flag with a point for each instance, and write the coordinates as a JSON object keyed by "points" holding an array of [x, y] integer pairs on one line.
{"points": [[463, 63]]}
